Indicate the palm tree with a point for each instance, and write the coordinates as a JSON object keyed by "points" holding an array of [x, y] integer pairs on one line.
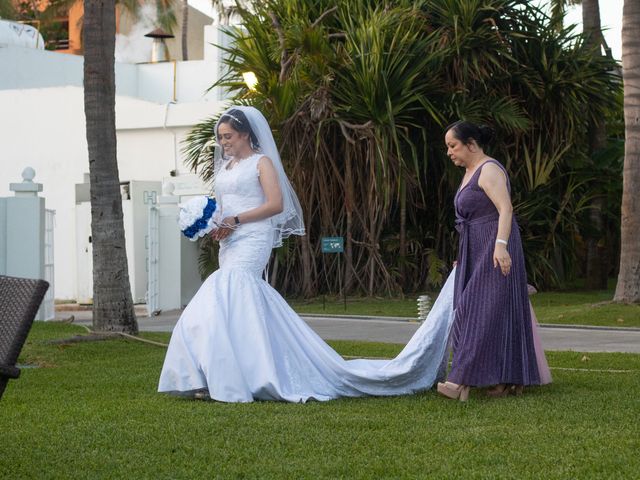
{"points": [[628, 288], [558, 8], [185, 26], [165, 11], [112, 301], [596, 253], [597, 264]]}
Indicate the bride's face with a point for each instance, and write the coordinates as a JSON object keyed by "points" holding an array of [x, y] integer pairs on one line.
{"points": [[233, 142]]}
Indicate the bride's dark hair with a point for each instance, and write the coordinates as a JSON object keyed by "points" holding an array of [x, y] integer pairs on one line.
{"points": [[239, 122]]}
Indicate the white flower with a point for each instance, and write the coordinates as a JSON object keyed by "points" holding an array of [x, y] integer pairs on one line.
{"points": [[192, 211]]}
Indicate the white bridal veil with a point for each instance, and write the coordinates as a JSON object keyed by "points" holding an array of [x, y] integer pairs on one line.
{"points": [[289, 221]]}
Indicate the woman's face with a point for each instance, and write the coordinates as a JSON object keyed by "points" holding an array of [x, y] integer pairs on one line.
{"points": [[458, 152], [232, 141]]}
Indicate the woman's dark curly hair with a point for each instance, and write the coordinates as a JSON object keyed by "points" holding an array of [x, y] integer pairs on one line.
{"points": [[466, 131]]}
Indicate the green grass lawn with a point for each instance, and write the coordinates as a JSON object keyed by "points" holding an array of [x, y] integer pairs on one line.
{"points": [[91, 411], [576, 308]]}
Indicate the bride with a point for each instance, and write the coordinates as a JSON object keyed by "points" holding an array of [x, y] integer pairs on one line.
{"points": [[238, 340]]}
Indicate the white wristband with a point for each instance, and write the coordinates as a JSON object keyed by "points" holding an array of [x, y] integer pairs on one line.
{"points": [[499, 240]]}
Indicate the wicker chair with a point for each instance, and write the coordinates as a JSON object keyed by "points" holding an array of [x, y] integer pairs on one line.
{"points": [[20, 299]]}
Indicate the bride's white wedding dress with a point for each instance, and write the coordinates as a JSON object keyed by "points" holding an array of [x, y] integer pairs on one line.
{"points": [[240, 340]]}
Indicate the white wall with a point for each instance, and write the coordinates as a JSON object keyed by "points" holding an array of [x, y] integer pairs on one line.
{"points": [[25, 68], [42, 125], [155, 81], [22, 68], [45, 128]]}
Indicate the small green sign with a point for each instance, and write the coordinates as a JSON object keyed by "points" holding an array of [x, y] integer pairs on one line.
{"points": [[332, 244]]}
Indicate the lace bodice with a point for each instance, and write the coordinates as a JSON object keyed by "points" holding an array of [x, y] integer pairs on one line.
{"points": [[238, 189]]}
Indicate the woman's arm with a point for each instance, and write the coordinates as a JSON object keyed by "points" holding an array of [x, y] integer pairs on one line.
{"points": [[494, 183], [271, 206]]}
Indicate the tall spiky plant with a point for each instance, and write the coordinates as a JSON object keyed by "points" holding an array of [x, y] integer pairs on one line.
{"points": [[358, 93]]}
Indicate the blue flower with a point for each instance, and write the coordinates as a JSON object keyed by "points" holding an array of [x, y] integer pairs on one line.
{"points": [[203, 221]]}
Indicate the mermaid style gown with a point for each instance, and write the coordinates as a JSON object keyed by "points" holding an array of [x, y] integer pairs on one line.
{"points": [[494, 338], [239, 340]]}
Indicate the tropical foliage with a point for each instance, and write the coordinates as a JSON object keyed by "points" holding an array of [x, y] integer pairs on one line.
{"points": [[358, 93]]}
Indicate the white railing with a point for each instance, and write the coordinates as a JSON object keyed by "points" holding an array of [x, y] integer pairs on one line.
{"points": [[48, 304], [153, 254]]}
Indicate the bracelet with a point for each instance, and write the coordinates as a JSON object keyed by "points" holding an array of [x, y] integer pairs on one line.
{"points": [[499, 240], [237, 220]]}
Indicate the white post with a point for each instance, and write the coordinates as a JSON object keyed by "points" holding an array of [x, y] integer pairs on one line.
{"points": [[176, 266], [424, 307], [24, 237]]}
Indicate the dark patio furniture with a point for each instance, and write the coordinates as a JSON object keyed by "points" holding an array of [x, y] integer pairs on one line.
{"points": [[20, 299]]}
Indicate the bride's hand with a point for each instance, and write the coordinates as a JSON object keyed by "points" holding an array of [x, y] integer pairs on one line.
{"points": [[224, 230], [221, 233]]}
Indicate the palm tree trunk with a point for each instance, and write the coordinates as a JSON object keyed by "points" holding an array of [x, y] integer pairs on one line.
{"points": [[597, 266], [185, 25], [348, 250], [307, 286], [112, 301], [596, 271], [403, 232], [628, 288], [591, 21]]}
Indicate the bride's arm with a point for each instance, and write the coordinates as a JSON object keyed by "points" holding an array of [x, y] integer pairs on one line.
{"points": [[271, 206]]}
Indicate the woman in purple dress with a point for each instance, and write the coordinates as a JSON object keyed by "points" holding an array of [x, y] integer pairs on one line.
{"points": [[492, 336]]}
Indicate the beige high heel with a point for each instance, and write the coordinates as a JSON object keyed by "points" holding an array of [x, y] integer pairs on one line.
{"points": [[504, 389], [516, 390], [500, 390], [454, 391]]}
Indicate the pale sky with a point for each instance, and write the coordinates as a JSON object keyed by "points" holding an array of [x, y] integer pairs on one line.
{"points": [[611, 19], [203, 5], [610, 16]]}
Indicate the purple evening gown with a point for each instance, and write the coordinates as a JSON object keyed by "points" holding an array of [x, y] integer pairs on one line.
{"points": [[492, 336]]}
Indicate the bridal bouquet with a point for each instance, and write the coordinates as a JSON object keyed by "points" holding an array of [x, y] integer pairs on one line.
{"points": [[196, 217]]}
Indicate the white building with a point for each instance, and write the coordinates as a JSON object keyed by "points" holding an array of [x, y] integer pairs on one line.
{"points": [[42, 125]]}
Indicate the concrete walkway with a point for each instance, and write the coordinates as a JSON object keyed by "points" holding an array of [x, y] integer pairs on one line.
{"points": [[400, 330]]}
